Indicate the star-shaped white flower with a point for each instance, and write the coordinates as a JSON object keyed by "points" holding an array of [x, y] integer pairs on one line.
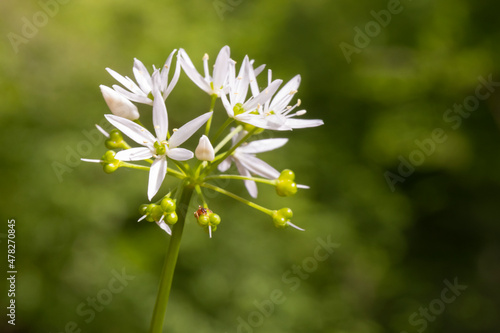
{"points": [[276, 114], [157, 147], [212, 84], [237, 106], [142, 91], [248, 164]]}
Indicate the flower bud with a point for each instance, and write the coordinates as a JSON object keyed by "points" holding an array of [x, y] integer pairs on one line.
{"points": [[281, 218], [168, 205], [171, 218], [204, 151], [286, 187], [118, 104]]}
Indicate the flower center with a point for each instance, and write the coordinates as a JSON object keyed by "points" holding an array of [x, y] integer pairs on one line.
{"points": [[161, 147]]}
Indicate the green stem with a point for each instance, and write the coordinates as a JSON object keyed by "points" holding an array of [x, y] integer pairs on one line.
{"points": [[227, 138], [209, 122], [255, 179], [170, 261], [240, 199]]}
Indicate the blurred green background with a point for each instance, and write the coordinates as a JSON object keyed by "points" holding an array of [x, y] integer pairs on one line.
{"points": [[76, 226]]}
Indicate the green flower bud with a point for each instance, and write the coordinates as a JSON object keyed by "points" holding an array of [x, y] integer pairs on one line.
{"points": [[168, 205], [171, 218], [203, 220], [110, 167], [286, 187], [287, 174], [109, 157], [214, 219], [143, 209], [115, 140], [154, 212], [282, 217]]}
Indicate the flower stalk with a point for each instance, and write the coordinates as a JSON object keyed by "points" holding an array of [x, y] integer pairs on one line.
{"points": [[170, 262]]}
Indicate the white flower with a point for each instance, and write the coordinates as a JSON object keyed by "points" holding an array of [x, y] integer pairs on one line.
{"points": [[118, 104], [142, 91], [212, 85], [276, 114], [237, 107], [205, 150], [247, 163], [157, 147]]}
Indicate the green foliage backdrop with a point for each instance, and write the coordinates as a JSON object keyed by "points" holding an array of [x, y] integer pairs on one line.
{"points": [[76, 226]]}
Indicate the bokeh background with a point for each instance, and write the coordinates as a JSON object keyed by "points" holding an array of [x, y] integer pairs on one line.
{"points": [[76, 226]]}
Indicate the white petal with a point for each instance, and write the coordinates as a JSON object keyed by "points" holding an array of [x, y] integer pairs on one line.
{"points": [[283, 97], [304, 123], [106, 134], [134, 131], [139, 98], [192, 73], [258, 166], [224, 165], [262, 97], [180, 154], [90, 160], [227, 106], [125, 81], [221, 67], [142, 76], [118, 104], [165, 227], [249, 184], [156, 175], [255, 120], [302, 186], [188, 129], [260, 146], [167, 88], [160, 118], [204, 151], [134, 154]]}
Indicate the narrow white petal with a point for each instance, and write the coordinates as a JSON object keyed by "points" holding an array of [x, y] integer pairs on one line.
{"points": [[302, 186], [142, 76], [139, 98], [165, 227], [168, 88], [260, 146], [224, 165], [90, 160], [249, 184], [125, 81], [258, 166], [263, 97], [156, 175], [160, 117], [221, 67], [106, 134], [134, 154], [134, 131], [180, 154], [294, 226], [303, 123], [192, 73], [283, 97], [188, 129], [227, 106]]}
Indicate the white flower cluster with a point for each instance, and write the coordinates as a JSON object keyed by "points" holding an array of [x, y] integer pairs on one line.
{"points": [[250, 107]]}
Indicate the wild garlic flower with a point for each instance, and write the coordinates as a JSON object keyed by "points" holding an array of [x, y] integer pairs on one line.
{"points": [[246, 162], [142, 91], [276, 114], [237, 105], [158, 147], [212, 84]]}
